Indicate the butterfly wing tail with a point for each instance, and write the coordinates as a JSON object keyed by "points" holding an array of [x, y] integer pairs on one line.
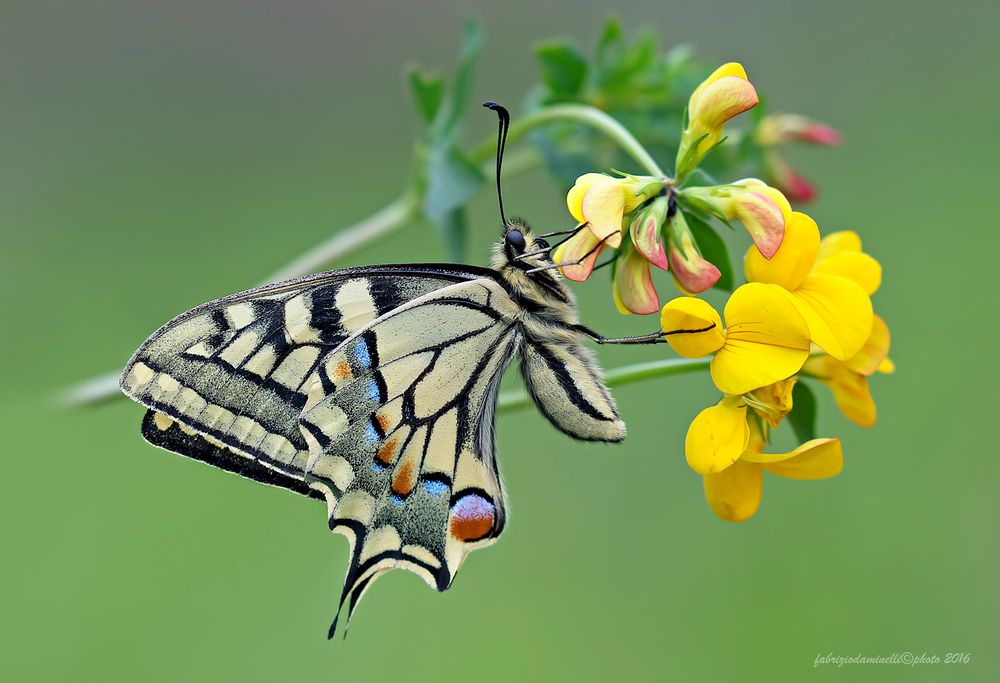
{"points": [[399, 427]]}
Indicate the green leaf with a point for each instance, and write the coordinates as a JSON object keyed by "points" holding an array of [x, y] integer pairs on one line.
{"points": [[803, 415], [713, 249], [451, 180], [563, 68], [611, 35], [454, 229], [427, 88], [449, 113], [640, 55], [625, 67], [758, 113]]}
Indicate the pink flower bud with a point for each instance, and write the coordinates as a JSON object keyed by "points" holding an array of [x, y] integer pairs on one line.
{"points": [[778, 129], [647, 234], [691, 271]]}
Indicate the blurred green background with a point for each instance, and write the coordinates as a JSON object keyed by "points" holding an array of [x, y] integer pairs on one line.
{"points": [[158, 154]]}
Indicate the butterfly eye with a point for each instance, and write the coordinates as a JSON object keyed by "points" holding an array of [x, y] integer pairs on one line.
{"points": [[516, 240]]}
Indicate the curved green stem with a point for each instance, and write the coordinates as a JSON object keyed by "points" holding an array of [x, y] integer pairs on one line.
{"points": [[580, 113], [515, 400]]}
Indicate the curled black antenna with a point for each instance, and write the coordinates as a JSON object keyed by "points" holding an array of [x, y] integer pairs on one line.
{"points": [[504, 117]]}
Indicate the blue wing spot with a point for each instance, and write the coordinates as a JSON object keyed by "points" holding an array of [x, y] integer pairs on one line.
{"points": [[361, 354], [377, 466], [435, 487], [373, 392], [395, 499], [371, 433]]}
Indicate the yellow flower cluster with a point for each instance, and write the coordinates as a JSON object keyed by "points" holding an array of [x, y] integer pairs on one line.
{"points": [[805, 310]]}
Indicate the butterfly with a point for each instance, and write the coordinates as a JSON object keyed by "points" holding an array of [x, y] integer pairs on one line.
{"points": [[374, 389]]}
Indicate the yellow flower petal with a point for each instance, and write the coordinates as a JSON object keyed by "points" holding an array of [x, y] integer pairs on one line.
{"points": [[727, 69], [794, 259], [763, 211], [717, 436], [773, 402], [838, 243], [887, 367], [856, 266], [574, 249], [617, 298], [816, 459], [778, 197], [838, 312], [734, 494], [574, 198], [850, 389], [767, 340], [693, 328], [603, 208], [723, 95], [875, 351]]}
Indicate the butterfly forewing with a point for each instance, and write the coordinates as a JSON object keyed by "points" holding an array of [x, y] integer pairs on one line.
{"points": [[237, 369]]}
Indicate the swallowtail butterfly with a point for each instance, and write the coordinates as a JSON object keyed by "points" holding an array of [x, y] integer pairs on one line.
{"points": [[374, 389]]}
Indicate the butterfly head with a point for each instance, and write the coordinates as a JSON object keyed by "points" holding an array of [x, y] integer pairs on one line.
{"points": [[525, 262], [519, 248]]}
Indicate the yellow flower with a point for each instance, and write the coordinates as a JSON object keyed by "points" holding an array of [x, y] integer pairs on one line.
{"points": [[767, 339], [830, 286], [762, 210], [840, 254], [848, 380], [723, 95], [601, 202], [734, 493], [719, 435]]}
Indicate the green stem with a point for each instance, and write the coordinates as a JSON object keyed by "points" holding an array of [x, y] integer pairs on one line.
{"points": [[580, 113], [515, 400]]}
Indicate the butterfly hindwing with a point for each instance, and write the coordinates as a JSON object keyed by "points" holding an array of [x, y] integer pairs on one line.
{"points": [[161, 430], [399, 422], [565, 383]]}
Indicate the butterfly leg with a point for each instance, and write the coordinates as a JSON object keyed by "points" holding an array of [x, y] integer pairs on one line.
{"points": [[653, 338]]}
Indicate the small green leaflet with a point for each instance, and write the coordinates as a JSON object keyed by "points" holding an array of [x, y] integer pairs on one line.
{"points": [[713, 249], [563, 68], [803, 415]]}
